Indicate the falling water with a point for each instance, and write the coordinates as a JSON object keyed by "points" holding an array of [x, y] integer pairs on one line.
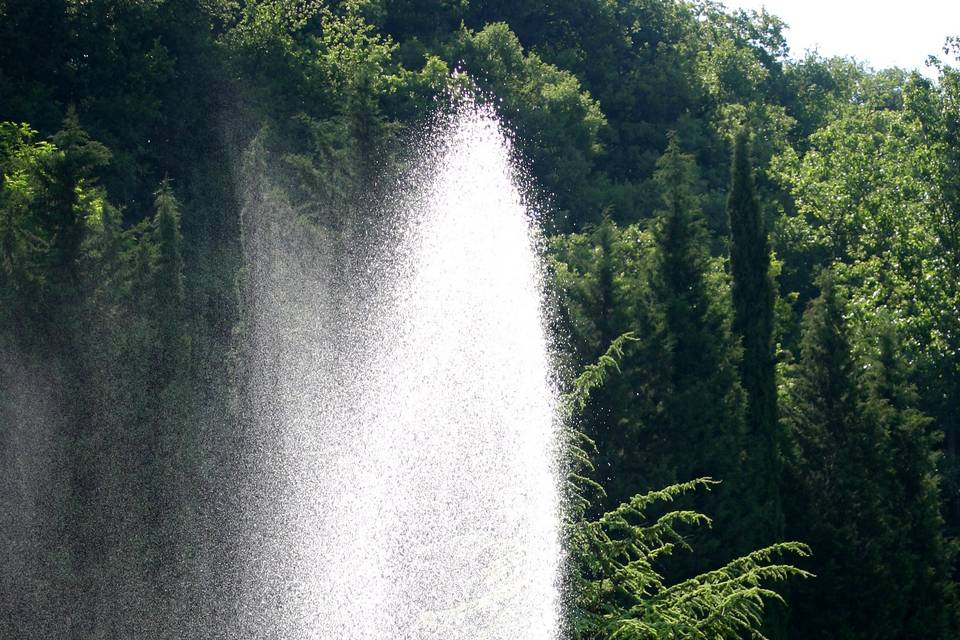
{"points": [[405, 412]]}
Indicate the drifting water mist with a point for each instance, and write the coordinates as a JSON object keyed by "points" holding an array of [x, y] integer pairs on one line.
{"points": [[405, 412]]}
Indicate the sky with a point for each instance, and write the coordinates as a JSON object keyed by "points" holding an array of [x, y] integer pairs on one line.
{"points": [[882, 33]]}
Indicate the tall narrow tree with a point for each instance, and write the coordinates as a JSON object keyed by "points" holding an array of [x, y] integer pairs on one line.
{"points": [[169, 432], [168, 279], [753, 293], [701, 396]]}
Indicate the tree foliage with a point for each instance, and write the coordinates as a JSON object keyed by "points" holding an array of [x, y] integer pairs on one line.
{"points": [[618, 586], [122, 125], [753, 294]]}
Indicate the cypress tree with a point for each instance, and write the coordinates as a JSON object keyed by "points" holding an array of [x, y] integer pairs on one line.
{"points": [[700, 394], [753, 293]]}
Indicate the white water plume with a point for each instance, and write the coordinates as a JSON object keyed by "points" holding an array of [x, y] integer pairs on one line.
{"points": [[407, 487]]}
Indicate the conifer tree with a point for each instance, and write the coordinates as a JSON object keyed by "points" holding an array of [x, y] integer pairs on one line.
{"points": [[605, 234], [159, 259], [169, 242], [753, 293], [836, 484], [701, 397], [612, 438], [71, 167], [168, 278], [619, 590], [924, 604]]}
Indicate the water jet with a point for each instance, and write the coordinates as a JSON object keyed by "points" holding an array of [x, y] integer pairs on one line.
{"points": [[408, 409]]}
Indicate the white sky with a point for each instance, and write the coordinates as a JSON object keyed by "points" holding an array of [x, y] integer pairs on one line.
{"points": [[882, 33]]}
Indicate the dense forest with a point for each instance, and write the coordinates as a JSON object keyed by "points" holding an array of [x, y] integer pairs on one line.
{"points": [[755, 260]]}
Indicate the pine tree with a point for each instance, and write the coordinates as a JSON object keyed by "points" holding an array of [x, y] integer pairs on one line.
{"points": [[753, 293], [70, 168], [165, 423], [700, 394], [169, 242], [168, 279], [836, 484]]}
